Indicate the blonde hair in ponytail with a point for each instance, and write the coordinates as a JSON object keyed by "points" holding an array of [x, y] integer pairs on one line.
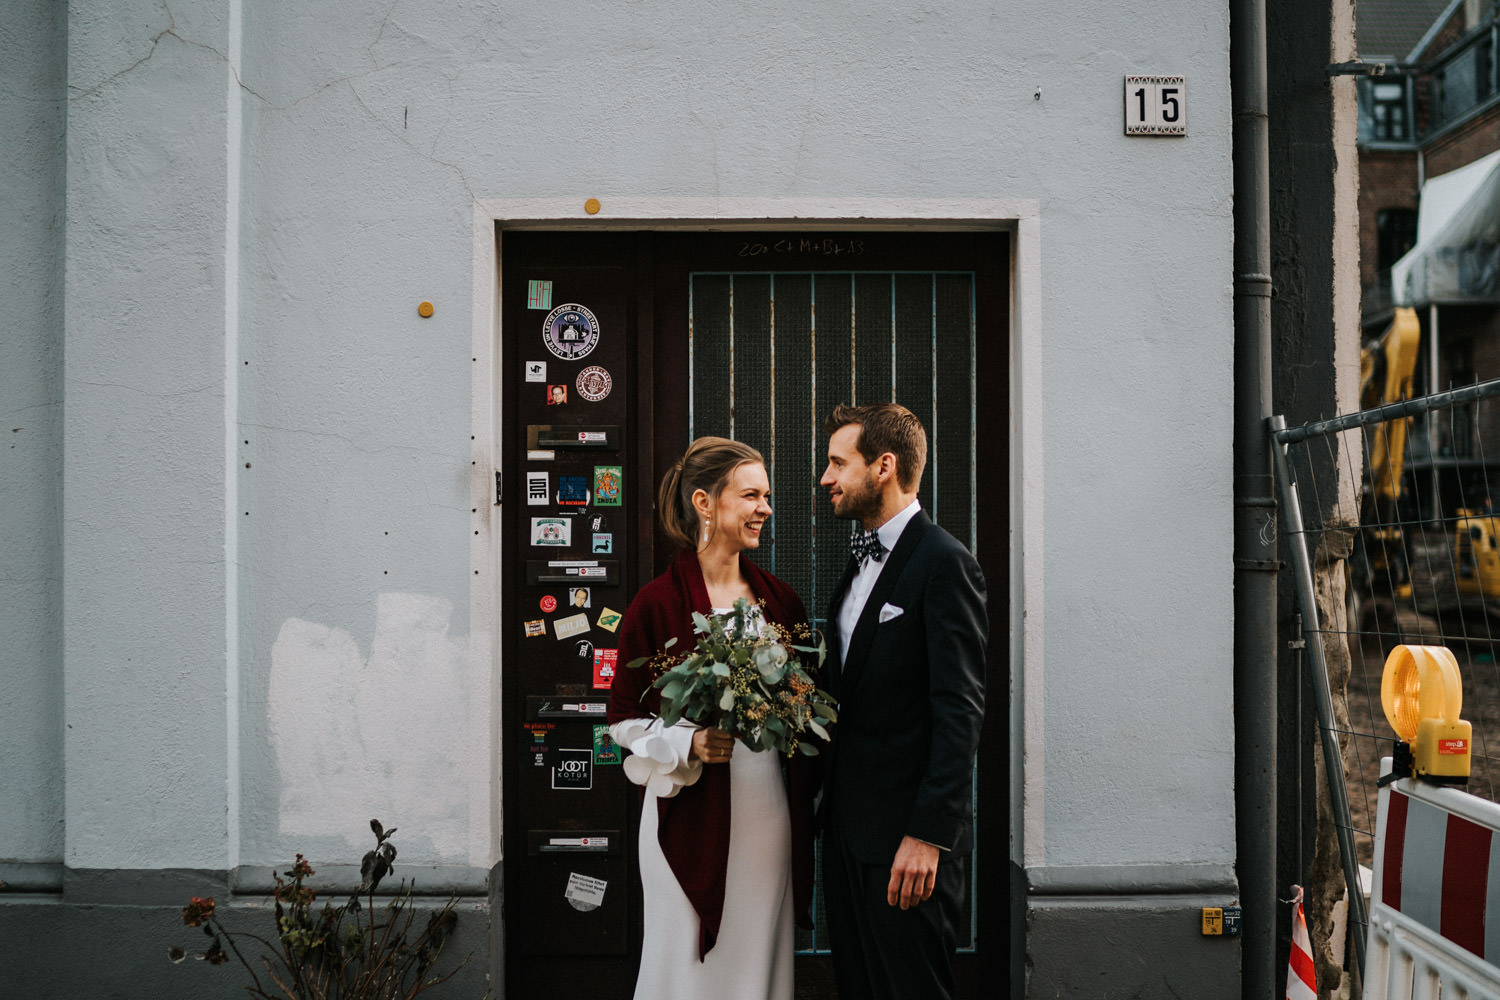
{"points": [[706, 465]]}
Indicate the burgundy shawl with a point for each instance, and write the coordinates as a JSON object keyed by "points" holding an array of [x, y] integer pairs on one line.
{"points": [[694, 824]]}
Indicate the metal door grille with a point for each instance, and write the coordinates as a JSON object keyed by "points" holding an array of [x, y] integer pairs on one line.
{"points": [[770, 354]]}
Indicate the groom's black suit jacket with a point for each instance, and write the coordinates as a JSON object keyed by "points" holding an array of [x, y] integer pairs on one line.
{"points": [[911, 699]]}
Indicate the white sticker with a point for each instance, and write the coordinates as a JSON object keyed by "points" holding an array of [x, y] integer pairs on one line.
{"points": [[585, 892], [552, 531], [536, 371], [570, 626], [540, 456], [537, 488]]}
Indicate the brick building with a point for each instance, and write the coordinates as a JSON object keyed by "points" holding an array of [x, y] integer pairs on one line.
{"points": [[1428, 126]]}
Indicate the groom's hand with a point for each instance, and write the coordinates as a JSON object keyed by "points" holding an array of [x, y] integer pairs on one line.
{"points": [[913, 873]]}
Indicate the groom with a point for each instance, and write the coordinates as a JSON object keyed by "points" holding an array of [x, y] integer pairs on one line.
{"points": [[907, 632]]}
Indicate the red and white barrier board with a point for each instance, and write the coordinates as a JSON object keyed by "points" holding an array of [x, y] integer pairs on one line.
{"points": [[1435, 909]]}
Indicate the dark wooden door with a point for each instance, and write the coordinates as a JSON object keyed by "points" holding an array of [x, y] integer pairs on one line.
{"points": [[754, 336]]}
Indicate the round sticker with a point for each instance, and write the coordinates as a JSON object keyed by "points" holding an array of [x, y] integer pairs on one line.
{"points": [[549, 604], [571, 331], [594, 383]]}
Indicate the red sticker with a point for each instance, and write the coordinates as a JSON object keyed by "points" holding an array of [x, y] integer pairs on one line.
{"points": [[549, 604], [604, 667], [1453, 746]]}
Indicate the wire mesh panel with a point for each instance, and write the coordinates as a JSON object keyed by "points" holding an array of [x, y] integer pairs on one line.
{"points": [[772, 353], [1404, 502]]}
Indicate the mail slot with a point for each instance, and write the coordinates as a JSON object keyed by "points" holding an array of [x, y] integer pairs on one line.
{"points": [[548, 436], [573, 572], [577, 892], [560, 707]]}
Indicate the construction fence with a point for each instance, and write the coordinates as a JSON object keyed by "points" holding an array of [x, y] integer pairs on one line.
{"points": [[1392, 521]]}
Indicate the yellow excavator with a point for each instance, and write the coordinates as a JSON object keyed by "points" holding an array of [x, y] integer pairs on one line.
{"points": [[1386, 367]]}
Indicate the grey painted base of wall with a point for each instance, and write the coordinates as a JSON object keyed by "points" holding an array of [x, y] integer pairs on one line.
{"points": [[106, 936], [111, 945], [1113, 948]]}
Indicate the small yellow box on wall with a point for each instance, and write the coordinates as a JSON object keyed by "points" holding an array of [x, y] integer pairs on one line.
{"points": [[1213, 920]]}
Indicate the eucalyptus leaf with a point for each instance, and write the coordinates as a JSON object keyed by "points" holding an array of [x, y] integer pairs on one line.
{"points": [[726, 700], [817, 727], [808, 749]]}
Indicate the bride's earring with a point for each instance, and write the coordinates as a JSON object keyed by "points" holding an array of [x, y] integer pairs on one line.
{"points": [[706, 524]]}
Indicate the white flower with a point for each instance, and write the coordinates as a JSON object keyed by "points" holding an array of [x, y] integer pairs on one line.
{"points": [[771, 660]]}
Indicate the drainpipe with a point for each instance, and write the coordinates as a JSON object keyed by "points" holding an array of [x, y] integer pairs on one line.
{"points": [[1255, 567]]}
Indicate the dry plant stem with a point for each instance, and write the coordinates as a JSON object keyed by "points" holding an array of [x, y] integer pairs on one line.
{"points": [[337, 954], [236, 949]]}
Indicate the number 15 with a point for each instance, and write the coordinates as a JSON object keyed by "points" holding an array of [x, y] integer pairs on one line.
{"points": [[1171, 109]]}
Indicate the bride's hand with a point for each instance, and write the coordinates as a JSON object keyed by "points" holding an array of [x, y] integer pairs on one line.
{"points": [[713, 746]]}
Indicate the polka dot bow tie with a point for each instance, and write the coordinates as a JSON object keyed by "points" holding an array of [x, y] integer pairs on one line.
{"points": [[866, 545]]}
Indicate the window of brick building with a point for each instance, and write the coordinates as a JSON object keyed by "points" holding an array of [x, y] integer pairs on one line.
{"points": [[1396, 233], [1384, 114]]}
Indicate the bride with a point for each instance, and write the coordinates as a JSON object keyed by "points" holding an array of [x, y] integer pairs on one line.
{"points": [[726, 833]]}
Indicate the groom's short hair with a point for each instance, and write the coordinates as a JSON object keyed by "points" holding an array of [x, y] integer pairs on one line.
{"points": [[886, 427]]}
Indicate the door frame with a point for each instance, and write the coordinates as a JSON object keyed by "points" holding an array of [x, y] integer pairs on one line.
{"points": [[1020, 218]]}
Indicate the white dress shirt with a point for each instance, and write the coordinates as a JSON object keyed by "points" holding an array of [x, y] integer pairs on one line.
{"points": [[868, 573]]}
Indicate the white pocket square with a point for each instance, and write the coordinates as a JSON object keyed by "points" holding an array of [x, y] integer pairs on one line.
{"points": [[889, 612]]}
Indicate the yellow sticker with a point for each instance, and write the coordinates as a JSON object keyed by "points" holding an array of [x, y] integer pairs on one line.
{"points": [[1213, 920], [609, 619]]}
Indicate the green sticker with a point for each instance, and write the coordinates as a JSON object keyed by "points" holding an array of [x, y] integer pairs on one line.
{"points": [[609, 486], [606, 750], [538, 295]]}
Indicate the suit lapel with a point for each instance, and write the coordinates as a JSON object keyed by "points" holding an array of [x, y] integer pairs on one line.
{"points": [[869, 617]]}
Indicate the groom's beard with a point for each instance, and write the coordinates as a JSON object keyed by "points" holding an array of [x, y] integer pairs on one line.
{"points": [[859, 504]]}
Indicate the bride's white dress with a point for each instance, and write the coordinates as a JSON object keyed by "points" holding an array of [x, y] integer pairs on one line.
{"points": [[752, 959]]}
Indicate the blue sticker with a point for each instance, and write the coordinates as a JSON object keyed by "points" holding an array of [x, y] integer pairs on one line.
{"points": [[573, 491]]}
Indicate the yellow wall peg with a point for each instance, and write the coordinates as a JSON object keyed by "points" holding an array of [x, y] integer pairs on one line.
{"points": [[424, 310], [591, 206]]}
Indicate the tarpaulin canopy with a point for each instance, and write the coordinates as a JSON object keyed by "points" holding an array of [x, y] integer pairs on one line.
{"points": [[1457, 256]]}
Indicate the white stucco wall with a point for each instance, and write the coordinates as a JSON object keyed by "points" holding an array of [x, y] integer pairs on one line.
{"points": [[32, 117], [144, 573], [268, 624]]}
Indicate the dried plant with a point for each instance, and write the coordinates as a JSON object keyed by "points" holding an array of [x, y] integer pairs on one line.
{"points": [[354, 951]]}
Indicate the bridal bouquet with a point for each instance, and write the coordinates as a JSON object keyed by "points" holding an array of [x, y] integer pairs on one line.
{"points": [[743, 676]]}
